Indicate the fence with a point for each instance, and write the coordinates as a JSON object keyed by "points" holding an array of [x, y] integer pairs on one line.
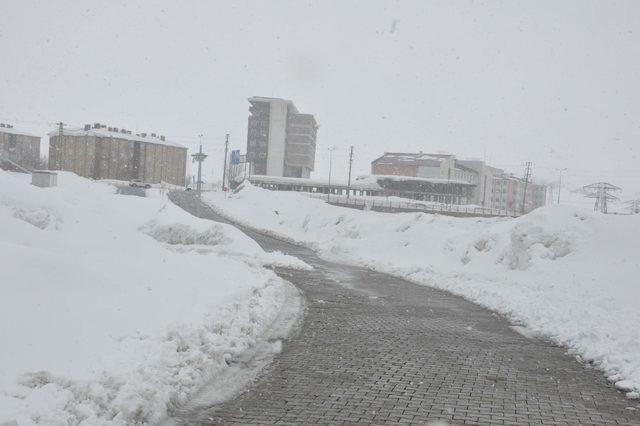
{"points": [[380, 204]]}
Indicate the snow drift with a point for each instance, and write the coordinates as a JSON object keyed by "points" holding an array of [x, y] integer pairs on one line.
{"points": [[563, 272], [116, 309]]}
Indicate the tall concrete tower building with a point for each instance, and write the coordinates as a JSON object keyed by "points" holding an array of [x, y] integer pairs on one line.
{"points": [[280, 140]]}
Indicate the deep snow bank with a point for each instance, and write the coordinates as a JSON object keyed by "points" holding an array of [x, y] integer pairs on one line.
{"points": [[115, 309], [564, 272]]}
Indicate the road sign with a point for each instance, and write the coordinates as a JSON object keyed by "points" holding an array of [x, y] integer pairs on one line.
{"points": [[235, 156]]}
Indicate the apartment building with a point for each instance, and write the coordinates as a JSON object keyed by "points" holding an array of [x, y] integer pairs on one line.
{"points": [[509, 193], [280, 140], [99, 151], [18, 150]]}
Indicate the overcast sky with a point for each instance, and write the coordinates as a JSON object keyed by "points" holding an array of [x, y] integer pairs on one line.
{"points": [[556, 83]]}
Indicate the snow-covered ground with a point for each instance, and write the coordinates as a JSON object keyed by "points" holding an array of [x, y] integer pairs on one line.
{"points": [[115, 309], [561, 271]]}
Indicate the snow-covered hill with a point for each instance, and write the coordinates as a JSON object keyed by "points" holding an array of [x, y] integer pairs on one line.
{"points": [[114, 309], [561, 271]]}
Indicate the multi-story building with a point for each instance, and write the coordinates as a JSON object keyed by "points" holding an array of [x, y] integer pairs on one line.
{"points": [[101, 152], [444, 179], [447, 179], [484, 188], [280, 140], [437, 166], [18, 150], [508, 194]]}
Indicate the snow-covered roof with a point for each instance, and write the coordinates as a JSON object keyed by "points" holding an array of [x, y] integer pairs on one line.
{"points": [[407, 158], [363, 182], [13, 131], [412, 178], [106, 133], [315, 182]]}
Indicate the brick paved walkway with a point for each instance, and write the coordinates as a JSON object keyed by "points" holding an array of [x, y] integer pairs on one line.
{"points": [[377, 349]]}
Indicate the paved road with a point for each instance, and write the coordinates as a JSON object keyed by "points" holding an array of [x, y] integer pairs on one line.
{"points": [[377, 349]]}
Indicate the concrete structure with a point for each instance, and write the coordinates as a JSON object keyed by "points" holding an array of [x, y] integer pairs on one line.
{"points": [[436, 166], [414, 188], [508, 192], [19, 151], [44, 178], [485, 174], [413, 164], [101, 152], [439, 177], [466, 181], [319, 186], [280, 140]]}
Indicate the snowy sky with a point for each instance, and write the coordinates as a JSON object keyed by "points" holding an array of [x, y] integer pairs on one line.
{"points": [[555, 83]]}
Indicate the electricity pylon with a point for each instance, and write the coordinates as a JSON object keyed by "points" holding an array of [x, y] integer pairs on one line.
{"points": [[634, 206], [601, 191]]}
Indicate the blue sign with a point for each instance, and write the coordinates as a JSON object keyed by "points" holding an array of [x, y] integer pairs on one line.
{"points": [[235, 156]]}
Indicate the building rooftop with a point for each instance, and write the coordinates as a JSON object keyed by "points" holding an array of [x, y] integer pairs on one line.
{"points": [[370, 178], [111, 132], [315, 182], [413, 159], [266, 99], [8, 128]]}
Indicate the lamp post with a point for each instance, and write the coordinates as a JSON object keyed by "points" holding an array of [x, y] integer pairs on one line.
{"points": [[560, 181], [331, 149]]}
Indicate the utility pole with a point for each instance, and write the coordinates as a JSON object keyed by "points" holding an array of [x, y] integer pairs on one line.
{"points": [[560, 181], [601, 191], [350, 164], [527, 175], [224, 170], [331, 149], [484, 191], [450, 200], [58, 160], [199, 157]]}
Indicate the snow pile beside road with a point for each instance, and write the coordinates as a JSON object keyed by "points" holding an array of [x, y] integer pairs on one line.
{"points": [[115, 309], [564, 272]]}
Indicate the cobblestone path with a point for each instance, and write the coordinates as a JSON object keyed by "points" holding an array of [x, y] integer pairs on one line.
{"points": [[377, 349]]}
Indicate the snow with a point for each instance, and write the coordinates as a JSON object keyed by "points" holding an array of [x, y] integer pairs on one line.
{"points": [[370, 201], [14, 131], [116, 309], [362, 182], [373, 179], [562, 272], [106, 133]]}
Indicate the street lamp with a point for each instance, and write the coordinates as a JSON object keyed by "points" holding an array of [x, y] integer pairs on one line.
{"points": [[331, 149], [560, 181]]}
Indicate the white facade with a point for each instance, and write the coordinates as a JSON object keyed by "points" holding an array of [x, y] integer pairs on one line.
{"points": [[484, 175], [280, 140], [277, 137]]}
